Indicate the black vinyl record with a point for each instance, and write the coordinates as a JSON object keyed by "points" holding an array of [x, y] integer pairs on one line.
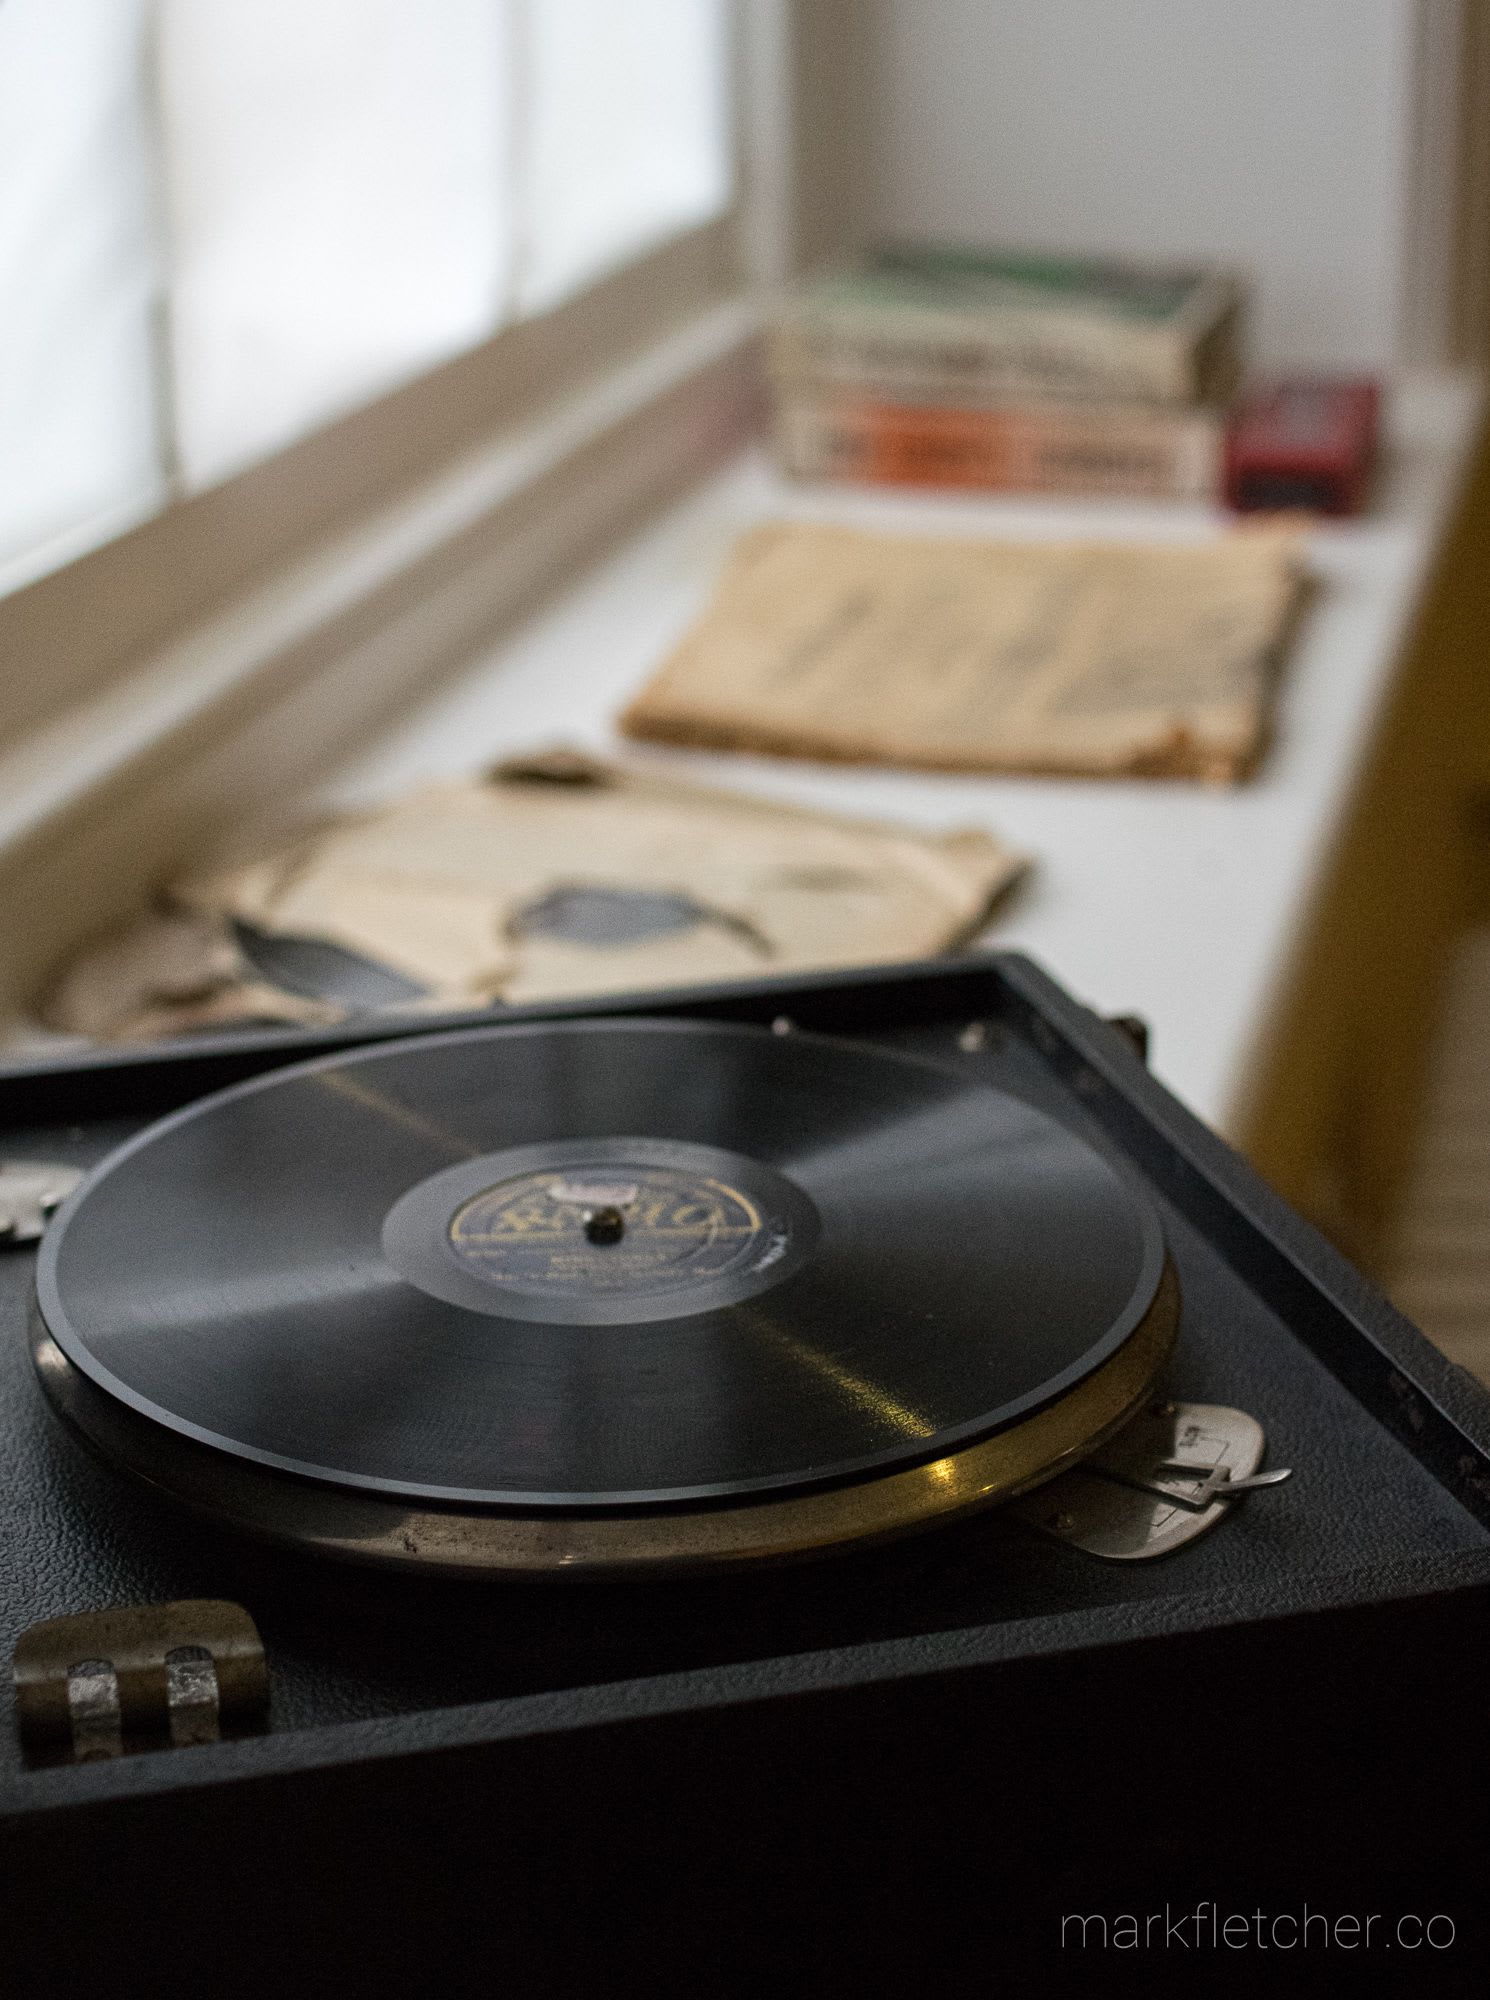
{"points": [[599, 1265]]}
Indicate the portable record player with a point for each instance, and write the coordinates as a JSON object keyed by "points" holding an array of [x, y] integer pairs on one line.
{"points": [[497, 1370]]}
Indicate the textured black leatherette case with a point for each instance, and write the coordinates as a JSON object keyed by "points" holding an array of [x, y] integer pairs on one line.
{"points": [[868, 1769]]}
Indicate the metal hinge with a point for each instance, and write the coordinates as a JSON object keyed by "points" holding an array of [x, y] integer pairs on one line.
{"points": [[138, 1677]]}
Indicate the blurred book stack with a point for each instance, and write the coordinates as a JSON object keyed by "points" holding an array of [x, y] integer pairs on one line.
{"points": [[1009, 372]]}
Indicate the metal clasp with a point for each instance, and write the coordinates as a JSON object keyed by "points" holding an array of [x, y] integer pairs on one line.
{"points": [[1174, 1471]]}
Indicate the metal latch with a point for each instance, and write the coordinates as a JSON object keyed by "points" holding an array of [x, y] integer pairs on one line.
{"points": [[138, 1677], [29, 1191], [1176, 1470]]}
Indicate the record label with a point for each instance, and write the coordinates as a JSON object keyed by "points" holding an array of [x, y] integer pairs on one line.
{"points": [[611, 1227], [600, 1232]]}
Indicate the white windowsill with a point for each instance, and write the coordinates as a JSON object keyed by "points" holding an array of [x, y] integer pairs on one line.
{"points": [[1180, 903]]}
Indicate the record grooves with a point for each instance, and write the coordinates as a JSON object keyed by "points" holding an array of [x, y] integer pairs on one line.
{"points": [[636, 1293]]}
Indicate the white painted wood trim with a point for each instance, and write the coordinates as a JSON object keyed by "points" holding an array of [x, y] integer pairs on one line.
{"points": [[765, 113], [1431, 195]]}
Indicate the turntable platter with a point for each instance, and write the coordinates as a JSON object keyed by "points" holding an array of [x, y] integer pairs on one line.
{"points": [[607, 1268]]}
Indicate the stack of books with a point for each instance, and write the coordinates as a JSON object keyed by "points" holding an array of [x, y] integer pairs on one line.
{"points": [[1009, 371]]}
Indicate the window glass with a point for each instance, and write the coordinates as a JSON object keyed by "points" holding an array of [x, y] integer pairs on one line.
{"points": [[78, 420], [339, 211], [224, 223], [624, 133]]}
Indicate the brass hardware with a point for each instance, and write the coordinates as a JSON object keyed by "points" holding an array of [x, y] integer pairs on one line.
{"points": [[138, 1676]]}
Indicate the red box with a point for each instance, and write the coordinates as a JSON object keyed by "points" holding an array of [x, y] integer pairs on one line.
{"points": [[1302, 442]]}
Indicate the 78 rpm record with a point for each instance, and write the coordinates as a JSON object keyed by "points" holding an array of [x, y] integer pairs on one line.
{"points": [[633, 1293]]}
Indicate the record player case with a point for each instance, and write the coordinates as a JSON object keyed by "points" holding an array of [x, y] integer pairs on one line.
{"points": [[901, 1760]]}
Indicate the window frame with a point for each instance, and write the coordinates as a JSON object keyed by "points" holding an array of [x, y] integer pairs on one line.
{"points": [[66, 634], [213, 661], [70, 631]]}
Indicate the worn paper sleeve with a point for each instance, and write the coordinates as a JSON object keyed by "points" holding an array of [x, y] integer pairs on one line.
{"points": [[1099, 659]]}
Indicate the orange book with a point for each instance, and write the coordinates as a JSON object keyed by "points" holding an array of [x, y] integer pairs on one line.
{"points": [[1146, 451]]}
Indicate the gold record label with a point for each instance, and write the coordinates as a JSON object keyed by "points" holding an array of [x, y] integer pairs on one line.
{"points": [[612, 1228]]}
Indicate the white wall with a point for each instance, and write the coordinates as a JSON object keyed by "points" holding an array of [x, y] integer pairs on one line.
{"points": [[1277, 133]]}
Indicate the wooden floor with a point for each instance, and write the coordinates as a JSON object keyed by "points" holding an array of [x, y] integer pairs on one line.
{"points": [[1440, 1269]]}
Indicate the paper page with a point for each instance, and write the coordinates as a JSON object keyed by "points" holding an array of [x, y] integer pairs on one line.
{"points": [[957, 655]]}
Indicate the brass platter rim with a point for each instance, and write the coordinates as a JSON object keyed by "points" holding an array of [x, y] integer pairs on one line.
{"points": [[381, 1531]]}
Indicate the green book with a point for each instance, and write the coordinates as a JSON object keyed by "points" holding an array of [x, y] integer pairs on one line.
{"points": [[945, 323]]}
